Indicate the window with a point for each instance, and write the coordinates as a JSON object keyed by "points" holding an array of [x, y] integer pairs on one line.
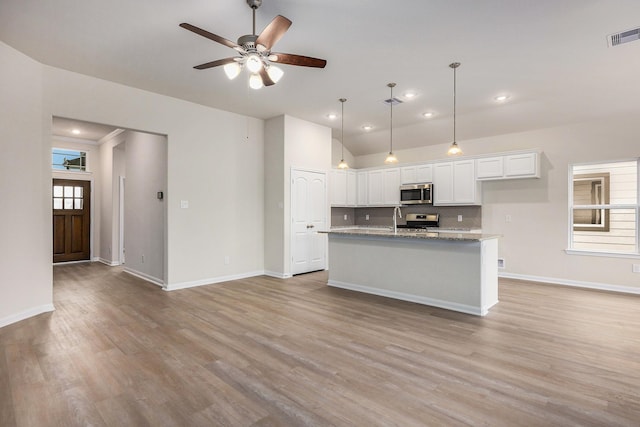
{"points": [[68, 160], [603, 208]]}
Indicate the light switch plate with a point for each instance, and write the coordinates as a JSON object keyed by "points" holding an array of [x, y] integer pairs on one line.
{"points": [[184, 204], [635, 268]]}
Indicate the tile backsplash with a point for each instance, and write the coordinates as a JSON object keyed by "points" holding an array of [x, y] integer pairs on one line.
{"points": [[471, 215]]}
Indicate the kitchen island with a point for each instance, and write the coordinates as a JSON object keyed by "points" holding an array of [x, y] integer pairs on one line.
{"points": [[455, 271]]}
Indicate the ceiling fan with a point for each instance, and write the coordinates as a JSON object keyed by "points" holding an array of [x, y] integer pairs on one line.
{"points": [[255, 52]]}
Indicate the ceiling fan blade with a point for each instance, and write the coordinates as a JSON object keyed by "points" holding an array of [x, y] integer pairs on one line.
{"points": [[210, 36], [266, 80], [216, 63], [291, 59], [273, 32]]}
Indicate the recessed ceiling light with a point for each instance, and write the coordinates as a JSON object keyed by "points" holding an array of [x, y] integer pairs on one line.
{"points": [[332, 116], [409, 95], [76, 131], [427, 115], [501, 98], [367, 127]]}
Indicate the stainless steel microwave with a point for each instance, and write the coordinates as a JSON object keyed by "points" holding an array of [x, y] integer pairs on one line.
{"points": [[416, 194]]}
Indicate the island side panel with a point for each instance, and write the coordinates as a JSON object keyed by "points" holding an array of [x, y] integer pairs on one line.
{"points": [[489, 265], [442, 273]]}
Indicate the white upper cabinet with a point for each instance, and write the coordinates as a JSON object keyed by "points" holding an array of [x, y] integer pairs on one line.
{"points": [[526, 165], [391, 186], [343, 187], [416, 174], [338, 187], [375, 188], [454, 183], [509, 166], [352, 188], [490, 168], [362, 196]]}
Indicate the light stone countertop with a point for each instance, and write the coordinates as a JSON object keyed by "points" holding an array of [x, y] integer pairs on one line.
{"points": [[409, 233]]}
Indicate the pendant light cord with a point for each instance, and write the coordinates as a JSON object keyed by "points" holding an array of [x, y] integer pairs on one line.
{"points": [[342, 100], [391, 85], [454, 104]]}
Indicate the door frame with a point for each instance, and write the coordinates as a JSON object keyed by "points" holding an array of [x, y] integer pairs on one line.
{"points": [[121, 248], [289, 226], [79, 176]]}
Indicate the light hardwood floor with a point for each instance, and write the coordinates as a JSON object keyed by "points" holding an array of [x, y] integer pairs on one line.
{"points": [[121, 352]]}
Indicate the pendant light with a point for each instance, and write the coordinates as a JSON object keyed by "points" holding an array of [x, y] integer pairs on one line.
{"points": [[391, 158], [342, 164], [454, 150]]}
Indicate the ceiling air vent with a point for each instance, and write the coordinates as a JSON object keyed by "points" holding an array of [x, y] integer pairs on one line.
{"points": [[624, 37], [392, 101]]}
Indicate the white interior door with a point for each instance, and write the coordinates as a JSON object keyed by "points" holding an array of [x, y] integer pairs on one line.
{"points": [[308, 216]]}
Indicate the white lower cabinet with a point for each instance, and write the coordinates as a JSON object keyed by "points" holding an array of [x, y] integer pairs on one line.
{"points": [[454, 183]]}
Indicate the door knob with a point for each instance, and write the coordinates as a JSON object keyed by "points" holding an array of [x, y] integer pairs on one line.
{"points": [[310, 225]]}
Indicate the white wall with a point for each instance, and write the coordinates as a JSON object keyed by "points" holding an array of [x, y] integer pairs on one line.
{"points": [[304, 145], [215, 162], [533, 244], [25, 189], [144, 213]]}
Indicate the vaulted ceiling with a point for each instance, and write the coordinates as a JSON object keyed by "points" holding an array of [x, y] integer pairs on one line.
{"points": [[550, 57]]}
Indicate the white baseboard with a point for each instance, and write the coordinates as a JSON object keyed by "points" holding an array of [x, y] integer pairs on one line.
{"points": [[46, 308], [574, 283], [109, 263], [144, 276], [277, 275], [211, 281], [463, 308]]}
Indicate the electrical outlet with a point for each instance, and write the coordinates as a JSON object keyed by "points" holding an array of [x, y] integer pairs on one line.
{"points": [[143, 258], [459, 218], [501, 263], [366, 217], [507, 218], [635, 268], [227, 260], [184, 204], [346, 217]]}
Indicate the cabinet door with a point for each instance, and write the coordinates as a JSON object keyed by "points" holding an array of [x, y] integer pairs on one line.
{"points": [[490, 168], [464, 182], [338, 187], [351, 188], [362, 198], [391, 186], [408, 175], [443, 183], [424, 173], [522, 165], [376, 187]]}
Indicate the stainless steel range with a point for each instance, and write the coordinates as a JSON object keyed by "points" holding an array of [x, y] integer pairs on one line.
{"points": [[429, 220]]}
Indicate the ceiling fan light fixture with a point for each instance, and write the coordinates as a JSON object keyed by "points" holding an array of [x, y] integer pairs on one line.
{"points": [[275, 73], [232, 70], [255, 81], [254, 63]]}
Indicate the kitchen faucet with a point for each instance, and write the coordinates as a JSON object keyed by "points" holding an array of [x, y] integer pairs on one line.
{"points": [[395, 222]]}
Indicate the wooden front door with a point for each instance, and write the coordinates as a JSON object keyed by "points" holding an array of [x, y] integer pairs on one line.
{"points": [[71, 220]]}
